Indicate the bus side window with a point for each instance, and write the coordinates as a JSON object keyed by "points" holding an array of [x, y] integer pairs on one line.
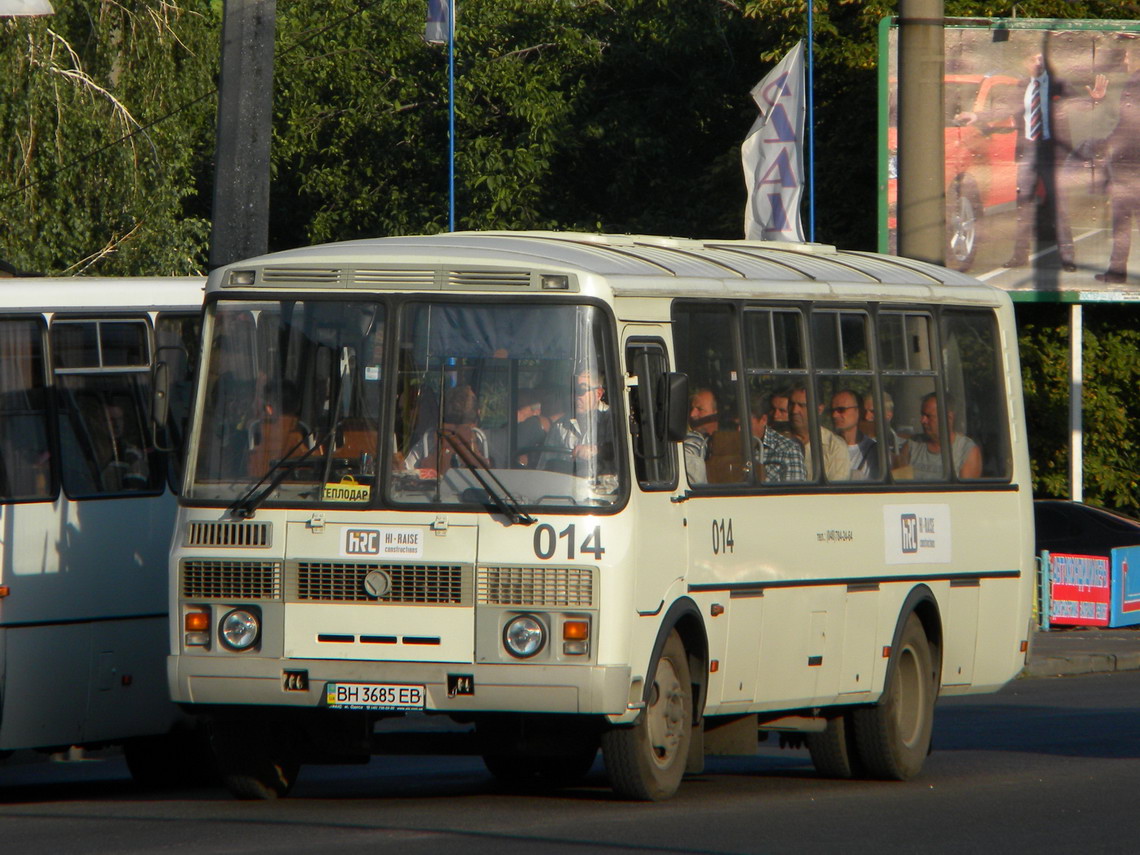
{"points": [[25, 460], [705, 341], [654, 457], [975, 381]]}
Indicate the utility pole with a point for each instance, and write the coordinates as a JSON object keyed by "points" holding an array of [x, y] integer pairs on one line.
{"points": [[240, 226], [921, 140]]}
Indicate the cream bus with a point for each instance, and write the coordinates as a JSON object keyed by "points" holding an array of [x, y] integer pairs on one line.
{"points": [[87, 509], [655, 496]]}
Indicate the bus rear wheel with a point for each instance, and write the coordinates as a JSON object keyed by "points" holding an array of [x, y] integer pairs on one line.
{"points": [[254, 763], [893, 736], [834, 752], [647, 761]]}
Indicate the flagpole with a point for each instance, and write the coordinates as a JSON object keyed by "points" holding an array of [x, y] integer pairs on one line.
{"points": [[811, 122], [451, 115]]}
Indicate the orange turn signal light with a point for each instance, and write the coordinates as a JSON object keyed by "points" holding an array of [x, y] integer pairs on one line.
{"points": [[197, 621], [576, 630]]}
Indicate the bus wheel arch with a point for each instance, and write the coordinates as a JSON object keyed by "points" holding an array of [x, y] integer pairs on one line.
{"points": [[647, 760], [893, 737]]}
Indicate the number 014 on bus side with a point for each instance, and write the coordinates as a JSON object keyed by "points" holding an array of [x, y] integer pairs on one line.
{"points": [[379, 696]]}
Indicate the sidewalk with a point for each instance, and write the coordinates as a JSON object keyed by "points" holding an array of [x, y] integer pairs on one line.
{"points": [[1083, 650]]}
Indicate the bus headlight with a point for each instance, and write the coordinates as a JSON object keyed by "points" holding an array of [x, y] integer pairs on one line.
{"points": [[524, 636], [239, 629]]}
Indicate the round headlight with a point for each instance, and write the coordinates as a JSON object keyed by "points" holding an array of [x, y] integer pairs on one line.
{"points": [[524, 636], [239, 629]]}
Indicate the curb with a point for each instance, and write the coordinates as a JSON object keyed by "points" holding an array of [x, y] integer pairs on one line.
{"points": [[1082, 663]]}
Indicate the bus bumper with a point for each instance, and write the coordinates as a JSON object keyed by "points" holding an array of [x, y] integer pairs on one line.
{"points": [[449, 687]]}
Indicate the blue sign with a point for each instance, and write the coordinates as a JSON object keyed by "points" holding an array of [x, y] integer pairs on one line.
{"points": [[1125, 586]]}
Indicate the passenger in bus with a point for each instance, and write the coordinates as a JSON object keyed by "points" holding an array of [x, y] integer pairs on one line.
{"points": [[775, 458], [704, 419], [862, 450], [582, 443], [893, 442], [127, 467], [460, 423], [836, 465], [778, 418], [926, 450]]}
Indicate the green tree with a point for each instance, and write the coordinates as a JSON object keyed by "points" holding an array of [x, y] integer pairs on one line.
{"points": [[102, 150], [1111, 408]]}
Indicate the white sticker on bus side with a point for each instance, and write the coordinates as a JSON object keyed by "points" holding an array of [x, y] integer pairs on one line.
{"points": [[916, 534], [381, 542]]}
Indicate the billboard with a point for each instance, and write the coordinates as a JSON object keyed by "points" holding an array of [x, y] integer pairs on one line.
{"points": [[1079, 590], [1042, 137]]}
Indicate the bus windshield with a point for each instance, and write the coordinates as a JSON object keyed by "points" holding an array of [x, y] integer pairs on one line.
{"points": [[426, 403]]}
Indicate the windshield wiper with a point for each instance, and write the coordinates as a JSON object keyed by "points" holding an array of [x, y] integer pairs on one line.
{"points": [[246, 504], [504, 501]]}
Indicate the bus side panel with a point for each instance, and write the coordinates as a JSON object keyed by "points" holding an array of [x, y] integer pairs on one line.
{"points": [[84, 683], [84, 620]]}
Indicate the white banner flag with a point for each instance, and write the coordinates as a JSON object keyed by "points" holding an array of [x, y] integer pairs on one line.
{"points": [[773, 153], [437, 30]]}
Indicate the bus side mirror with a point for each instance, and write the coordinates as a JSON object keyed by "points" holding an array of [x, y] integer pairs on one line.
{"points": [[676, 406], [159, 404]]}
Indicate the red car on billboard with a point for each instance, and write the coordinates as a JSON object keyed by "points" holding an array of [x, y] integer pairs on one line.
{"points": [[981, 172]]}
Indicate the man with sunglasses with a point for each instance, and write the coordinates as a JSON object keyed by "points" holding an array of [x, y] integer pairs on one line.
{"points": [[846, 413], [582, 443]]}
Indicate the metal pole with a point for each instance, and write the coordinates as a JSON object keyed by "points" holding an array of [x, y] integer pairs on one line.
{"points": [[921, 140], [240, 220], [1076, 393], [451, 115], [811, 119]]}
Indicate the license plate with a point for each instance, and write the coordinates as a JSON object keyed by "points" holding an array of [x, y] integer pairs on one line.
{"points": [[375, 696]]}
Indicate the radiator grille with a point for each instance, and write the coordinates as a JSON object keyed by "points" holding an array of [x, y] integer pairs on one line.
{"points": [[231, 580], [339, 582], [224, 533], [535, 586]]}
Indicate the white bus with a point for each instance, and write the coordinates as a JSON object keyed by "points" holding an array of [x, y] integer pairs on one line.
{"points": [[452, 475], [87, 508]]}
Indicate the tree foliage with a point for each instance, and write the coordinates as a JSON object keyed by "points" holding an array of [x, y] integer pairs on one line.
{"points": [[1111, 408], [99, 157], [607, 115]]}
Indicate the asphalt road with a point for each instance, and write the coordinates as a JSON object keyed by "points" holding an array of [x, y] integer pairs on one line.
{"points": [[1047, 765]]}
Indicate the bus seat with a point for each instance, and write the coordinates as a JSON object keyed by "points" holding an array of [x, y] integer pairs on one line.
{"points": [[725, 464], [277, 435]]}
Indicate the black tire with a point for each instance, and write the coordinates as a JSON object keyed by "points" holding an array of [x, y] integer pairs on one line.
{"points": [[963, 223], [833, 752], [254, 764], [893, 736], [647, 761]]}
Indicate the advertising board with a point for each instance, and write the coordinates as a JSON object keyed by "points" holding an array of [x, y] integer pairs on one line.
{"points": [[1042, 153]]}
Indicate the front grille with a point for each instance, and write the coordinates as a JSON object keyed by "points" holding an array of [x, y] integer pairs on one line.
{"points": [[231, 580], [225, 533], [339, 582], [568, 587]]}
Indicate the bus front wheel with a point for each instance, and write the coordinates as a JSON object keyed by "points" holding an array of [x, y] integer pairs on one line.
{"points": [[647, 761], [893, 736]]}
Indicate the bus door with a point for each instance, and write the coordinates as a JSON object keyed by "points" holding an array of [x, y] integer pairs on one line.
{"points": [[659, 522]]}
